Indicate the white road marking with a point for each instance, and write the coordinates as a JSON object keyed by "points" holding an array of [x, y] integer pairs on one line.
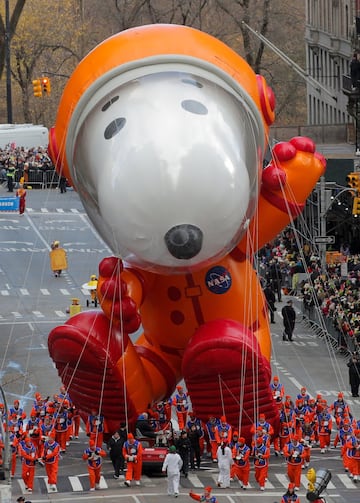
{"points": [[24, 291], [75, 484], [284, 481], [196, 482], [44, 291], [348, 483]]}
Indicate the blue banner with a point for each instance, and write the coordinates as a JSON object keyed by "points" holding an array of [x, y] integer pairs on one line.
{"points": [[9, 204]]}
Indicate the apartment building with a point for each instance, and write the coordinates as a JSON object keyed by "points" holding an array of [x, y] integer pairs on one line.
{"points": [[332, 33]]}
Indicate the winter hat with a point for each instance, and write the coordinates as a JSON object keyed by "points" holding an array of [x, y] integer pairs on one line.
{"points": [[172, 448]]}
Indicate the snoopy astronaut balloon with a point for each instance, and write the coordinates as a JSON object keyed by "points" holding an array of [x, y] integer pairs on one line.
{"points": [[162, 130]]}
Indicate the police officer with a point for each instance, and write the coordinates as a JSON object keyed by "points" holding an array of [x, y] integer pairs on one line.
{"points": [[10, 175]]}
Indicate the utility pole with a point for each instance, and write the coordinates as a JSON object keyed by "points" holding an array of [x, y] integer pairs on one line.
{"points": [[7, 59]]}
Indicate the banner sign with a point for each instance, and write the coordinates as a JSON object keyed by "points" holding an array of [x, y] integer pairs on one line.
{"points": [[9, 204]]}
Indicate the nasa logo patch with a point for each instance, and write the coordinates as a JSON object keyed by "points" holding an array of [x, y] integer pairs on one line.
{"points": [[218, 280]]}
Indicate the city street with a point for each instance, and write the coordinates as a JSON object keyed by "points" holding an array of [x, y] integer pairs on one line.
{"points": [[33, 301]]}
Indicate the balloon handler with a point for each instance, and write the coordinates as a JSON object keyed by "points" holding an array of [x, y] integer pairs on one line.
{"points": [[91, 286], [58, 258], [178, 123], [206, 497]]}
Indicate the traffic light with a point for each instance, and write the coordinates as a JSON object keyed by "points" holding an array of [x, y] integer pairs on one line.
{"points": [[353, 181], [46, 85], [37, 88], [356, 206]]}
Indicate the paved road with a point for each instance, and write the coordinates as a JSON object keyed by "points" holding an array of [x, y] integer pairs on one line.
{"points": [[33, 302]]}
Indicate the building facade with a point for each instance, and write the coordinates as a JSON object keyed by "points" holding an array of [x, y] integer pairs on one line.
{"points": [[331, 35]]}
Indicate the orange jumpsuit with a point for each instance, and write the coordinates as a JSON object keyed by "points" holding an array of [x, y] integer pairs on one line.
{"points": [[241, 467], [29, 458], [21, 194], [213, 436], [61, 428], [93, 455], [181, 404], [14, 443], [324, 430], [95, 428], [353, 453], [261, 463], [294, 453], [51, 458], [33, 430], [132, 453]]}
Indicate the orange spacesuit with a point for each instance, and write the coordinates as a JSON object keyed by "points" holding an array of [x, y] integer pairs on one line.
{"points": [[189, 278]]}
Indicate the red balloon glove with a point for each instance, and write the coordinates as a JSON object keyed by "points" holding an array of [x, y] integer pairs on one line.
{"points": [[117, 305]]}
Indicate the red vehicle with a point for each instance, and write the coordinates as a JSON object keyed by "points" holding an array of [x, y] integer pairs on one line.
{"points": [[155, 449]]}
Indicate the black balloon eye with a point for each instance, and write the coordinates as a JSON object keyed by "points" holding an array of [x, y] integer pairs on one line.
{"points": [[114, 128], [194, 107]]}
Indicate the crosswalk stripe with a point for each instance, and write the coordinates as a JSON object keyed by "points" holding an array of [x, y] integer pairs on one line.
{"points": [[44, 291], [64, 291], [38, 314], [196, 482], [16, 314], [5, 292], [284, 481], [80, 483], [348, 483], [24, 291], [44, 210], [103, 484], [48, 486], [269, 485], [22, 486], [305, 480], [60, 210], [75, 484], [61, 314], [74, 210], [249, 486]]}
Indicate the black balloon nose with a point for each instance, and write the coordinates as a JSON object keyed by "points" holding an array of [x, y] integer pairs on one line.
{"points": [[184, 241]]}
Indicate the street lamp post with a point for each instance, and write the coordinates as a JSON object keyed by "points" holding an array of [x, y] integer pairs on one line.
{"points": [[5, 480], [7, 59], [323, 210]]}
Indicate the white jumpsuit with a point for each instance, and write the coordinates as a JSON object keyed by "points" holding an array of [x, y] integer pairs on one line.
{"points": [[172, 465], [225, 460]]}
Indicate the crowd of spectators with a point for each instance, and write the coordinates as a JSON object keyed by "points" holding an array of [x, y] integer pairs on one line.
{"points": [[334, 292], [25, 161]]}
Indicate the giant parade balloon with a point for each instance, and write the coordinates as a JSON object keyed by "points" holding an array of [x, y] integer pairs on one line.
{"points": [[162, 131]]}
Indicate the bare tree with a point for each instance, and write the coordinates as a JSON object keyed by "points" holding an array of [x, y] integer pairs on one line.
{"points": [[14, 19]]}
